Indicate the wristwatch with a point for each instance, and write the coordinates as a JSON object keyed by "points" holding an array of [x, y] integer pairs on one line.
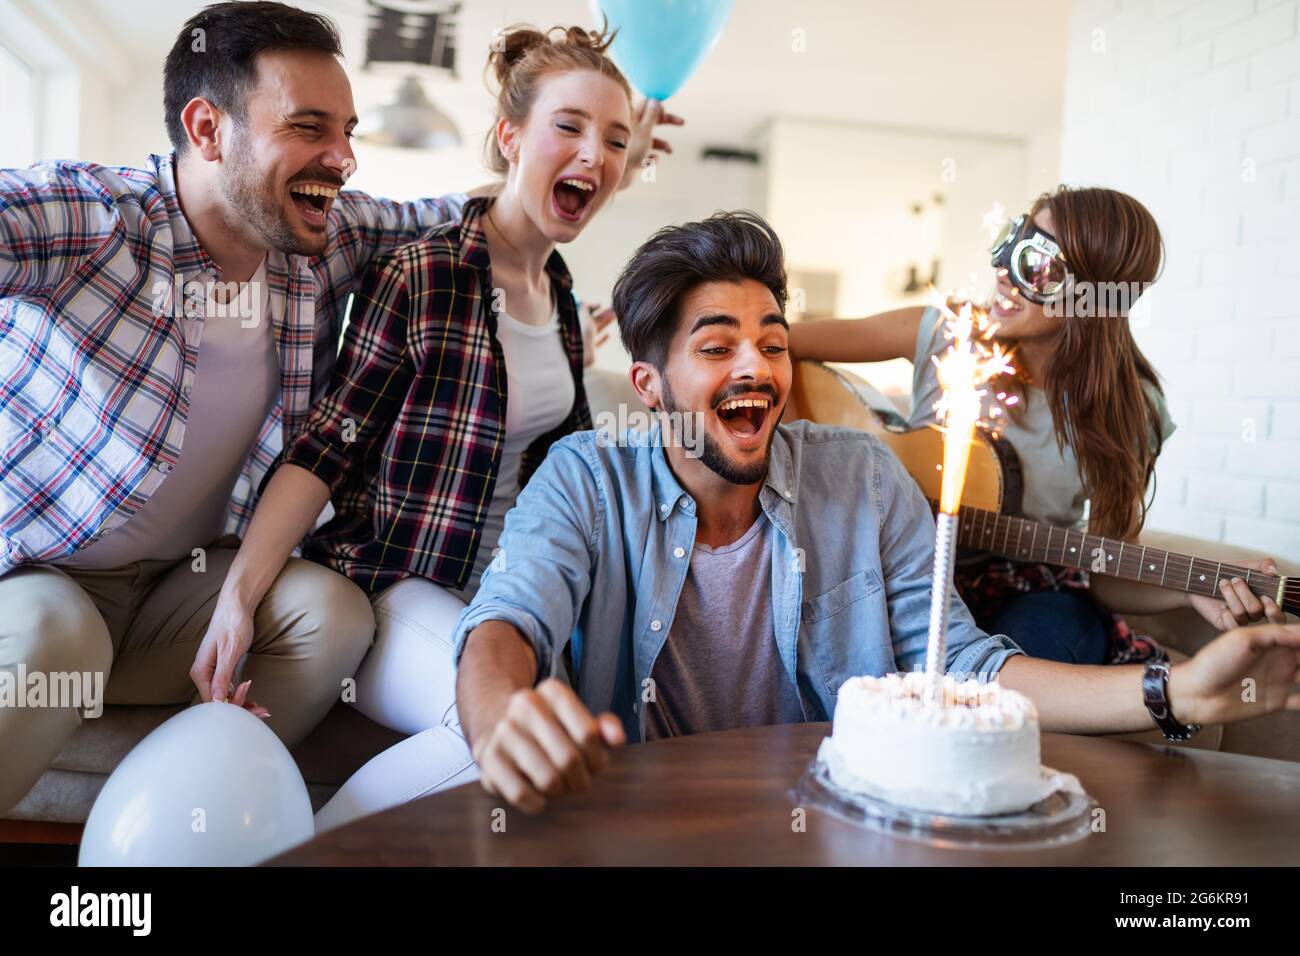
{"points": [[1155, 694]]}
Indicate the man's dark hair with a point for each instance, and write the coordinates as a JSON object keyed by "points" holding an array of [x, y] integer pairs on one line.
{"points": [[726, 247], [214, 54]]}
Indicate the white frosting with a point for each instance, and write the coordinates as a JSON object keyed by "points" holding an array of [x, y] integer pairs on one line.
{"points": [[974, 754]]}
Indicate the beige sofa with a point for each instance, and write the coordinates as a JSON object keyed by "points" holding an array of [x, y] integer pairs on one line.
{"points": [[346, 739]]}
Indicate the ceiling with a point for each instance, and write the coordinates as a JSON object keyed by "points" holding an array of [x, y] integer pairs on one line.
{"points": [[920, 64]]}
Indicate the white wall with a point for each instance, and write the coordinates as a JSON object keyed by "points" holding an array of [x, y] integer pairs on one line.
{"points": [[1194, 108], [840, 196]]}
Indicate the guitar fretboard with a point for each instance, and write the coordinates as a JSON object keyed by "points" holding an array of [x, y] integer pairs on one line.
{"points": [[1027, 540]]}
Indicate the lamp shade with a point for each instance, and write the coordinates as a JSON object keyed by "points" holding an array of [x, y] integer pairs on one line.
{"points": [[409, 121]]}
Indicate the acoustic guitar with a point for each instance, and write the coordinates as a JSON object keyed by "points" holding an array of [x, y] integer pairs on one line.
{"points": [[992, 496]]}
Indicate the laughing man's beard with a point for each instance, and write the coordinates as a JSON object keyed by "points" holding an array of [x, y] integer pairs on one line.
{"points": [[257, 206], [715, 459]]}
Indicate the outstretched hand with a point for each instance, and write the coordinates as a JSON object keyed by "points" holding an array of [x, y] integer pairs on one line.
{"points": [[1247, 672], [648, 115]]}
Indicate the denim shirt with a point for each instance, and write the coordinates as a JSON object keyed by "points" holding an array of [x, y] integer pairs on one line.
{"points": [[597, 547]]}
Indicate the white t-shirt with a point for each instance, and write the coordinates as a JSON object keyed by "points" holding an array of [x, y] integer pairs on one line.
{"points": [[539, 397], [236, 381]]}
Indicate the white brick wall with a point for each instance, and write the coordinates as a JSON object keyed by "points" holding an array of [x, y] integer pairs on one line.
{"points": [[1193, 106]]}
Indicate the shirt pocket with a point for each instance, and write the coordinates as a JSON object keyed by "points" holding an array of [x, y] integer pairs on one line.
{"points": [[841, 628]]}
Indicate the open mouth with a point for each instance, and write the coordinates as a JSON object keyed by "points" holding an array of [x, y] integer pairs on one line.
{"points": [[571, 197], [1007, 301], [313, 201], [743, 418]]}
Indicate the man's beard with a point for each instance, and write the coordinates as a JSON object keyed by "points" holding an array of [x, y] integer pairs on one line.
{"points": [[257, 205], [714, 458]]}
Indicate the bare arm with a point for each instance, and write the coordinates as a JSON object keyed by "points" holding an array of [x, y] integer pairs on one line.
{"points": [[1084, 699], [1209, 688], [877, 338], [293, 501], [530, 743], [498, 660]]}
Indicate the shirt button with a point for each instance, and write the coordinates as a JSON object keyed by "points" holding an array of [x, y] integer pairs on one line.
{"points": [[656, 625], [679, 552], [164, 467], [664, 508]]}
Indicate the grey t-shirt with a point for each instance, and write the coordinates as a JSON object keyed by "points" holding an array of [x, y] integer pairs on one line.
{"points": [[719, 667], [1053, 488]]}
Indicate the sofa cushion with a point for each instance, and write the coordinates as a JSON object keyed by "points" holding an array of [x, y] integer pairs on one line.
{"points": [[331, 753], [100, 743]]}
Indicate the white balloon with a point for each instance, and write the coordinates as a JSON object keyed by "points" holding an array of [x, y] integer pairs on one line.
{"points": [[213, 786]]}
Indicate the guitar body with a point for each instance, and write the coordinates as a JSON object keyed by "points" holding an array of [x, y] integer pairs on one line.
{"points": [[836, 397], [991, 498]]}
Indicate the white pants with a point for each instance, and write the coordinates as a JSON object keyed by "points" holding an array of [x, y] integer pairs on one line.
{"points": [[407, 682]]}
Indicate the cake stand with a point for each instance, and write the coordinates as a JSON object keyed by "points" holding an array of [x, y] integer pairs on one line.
{"points": [[1061, 818]]}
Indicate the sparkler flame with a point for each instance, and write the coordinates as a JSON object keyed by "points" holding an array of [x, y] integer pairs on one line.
{"points": [[970, 361]]}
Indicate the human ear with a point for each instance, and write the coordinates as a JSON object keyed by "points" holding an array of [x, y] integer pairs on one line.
{"points": [[508, 135], [202, 122], [645, 379]]}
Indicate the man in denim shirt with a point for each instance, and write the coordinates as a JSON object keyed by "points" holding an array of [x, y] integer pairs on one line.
{"points": [[632, 563]]}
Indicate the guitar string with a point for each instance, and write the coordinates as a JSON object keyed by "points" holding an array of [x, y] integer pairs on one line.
{"points": [[1179, 563]]}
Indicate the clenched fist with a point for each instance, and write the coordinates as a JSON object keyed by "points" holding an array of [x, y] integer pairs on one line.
{"points": [[546, 744]]}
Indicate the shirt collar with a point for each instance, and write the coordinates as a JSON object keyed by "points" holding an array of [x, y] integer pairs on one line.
{"points": [[189, 256], [780, 468], [779, 488], [474, 247]]}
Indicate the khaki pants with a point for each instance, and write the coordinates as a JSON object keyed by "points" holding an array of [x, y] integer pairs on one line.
{"points": [[140, 626]]}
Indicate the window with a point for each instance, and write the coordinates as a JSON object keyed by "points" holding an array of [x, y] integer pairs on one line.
{"points": [[17, 111]]}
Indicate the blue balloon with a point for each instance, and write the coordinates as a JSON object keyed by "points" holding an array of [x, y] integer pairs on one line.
{"points": [[660, 43]]}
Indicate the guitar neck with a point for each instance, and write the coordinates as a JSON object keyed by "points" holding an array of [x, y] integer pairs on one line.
{"points": [[1027, 540]]}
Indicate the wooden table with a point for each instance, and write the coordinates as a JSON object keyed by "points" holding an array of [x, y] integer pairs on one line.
{"points": [[725, 799]]}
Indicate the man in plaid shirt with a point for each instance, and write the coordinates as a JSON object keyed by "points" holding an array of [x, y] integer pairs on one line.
{"points": [[163, 332]]}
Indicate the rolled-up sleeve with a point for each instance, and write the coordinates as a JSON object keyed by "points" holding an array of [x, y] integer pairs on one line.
{"points": [[907, 557], [370, 380], [979, 655], [542, 572]]}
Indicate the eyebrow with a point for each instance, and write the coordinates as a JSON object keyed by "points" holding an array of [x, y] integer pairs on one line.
{"points": [[722, 318], [574, 111], [320, 114]]}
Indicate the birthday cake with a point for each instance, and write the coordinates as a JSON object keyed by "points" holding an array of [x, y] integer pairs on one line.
{"points": [[974, 754]]}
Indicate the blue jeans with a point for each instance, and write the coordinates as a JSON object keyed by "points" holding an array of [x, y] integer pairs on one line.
{"points": [[1064, 626]]}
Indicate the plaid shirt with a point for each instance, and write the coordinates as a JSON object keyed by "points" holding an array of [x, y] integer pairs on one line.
{"points": [[410, 437], [97, 357]]}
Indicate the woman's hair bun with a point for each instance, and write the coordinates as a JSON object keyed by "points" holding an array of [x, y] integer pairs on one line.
{"points": [[512, 44]]}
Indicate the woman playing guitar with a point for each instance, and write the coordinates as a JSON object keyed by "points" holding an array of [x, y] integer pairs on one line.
{"points": [[1084, 413]]}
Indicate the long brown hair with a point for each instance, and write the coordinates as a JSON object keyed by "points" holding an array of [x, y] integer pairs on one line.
{"points": [[1094, 376], [521, 55]]}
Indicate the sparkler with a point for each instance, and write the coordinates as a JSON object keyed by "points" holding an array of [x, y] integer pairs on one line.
{"points": [[966, 365]]}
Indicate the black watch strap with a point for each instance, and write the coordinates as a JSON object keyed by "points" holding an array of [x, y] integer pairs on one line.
{"points": [[1155, 694]]}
